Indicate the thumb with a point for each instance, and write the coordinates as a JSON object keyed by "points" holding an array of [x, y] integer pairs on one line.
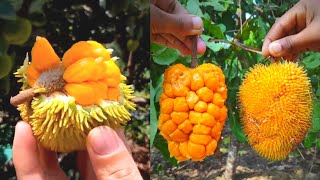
{"points": [[178, 24], [109, 156], [306, 40]]}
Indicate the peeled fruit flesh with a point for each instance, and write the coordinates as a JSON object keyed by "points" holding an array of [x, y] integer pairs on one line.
{"points": [[42, 48], [276, 108], [84, 49], [192, 111]]}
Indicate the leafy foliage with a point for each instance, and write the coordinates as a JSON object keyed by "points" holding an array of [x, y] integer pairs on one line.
{"points": [[312, 65], [14, 30], [227, 23]]}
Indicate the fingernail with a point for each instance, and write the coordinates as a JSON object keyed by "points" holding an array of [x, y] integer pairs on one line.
{"points": [[275, 48], [103, 140], [197, 22]]}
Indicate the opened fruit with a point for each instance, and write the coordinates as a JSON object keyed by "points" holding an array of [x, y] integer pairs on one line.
{"points": [[192, 110], [63, 101], [276, 108]]}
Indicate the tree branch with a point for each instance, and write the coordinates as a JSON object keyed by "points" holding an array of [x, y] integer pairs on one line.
{"points": [[237, 44]]}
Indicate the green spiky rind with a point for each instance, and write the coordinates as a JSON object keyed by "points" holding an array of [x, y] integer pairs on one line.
{"points": [[21, 73], [62, 125]]}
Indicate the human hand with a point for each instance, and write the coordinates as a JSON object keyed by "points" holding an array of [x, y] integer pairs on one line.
{"points": [[106, 157], [172, 26], [295, 32]]}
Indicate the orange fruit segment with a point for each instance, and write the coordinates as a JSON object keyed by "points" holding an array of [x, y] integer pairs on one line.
{"points": [[113, 73], [89, 74], [32, 74], [84, 93], [83, 49], [86, 69], [179, 117], [43, 55]]}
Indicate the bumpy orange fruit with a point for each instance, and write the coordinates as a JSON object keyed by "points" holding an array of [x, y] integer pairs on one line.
{"points": [[192, 110], [276, 108], [71, 97]]}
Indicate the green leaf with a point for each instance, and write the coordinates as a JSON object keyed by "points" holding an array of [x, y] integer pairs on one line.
{"points": [[212, 45], [161, 144], [235, 126], [251, 41], [18, 31], [309, 140], [4, 86], [193, 6], [215, 4], [158, 94], [312, 62], [154, 97], [7, 11], [6, 63], [36, 6], [218, 5], [318, 143], [226, 140], [16, 4], [156, 49], [213, 29], [318, 92], [158, 88], [163, 55], [222, 27], [153, 115], [132, 45], [3, 45], [316, 115], [38, 19], [242, 152], [224, 150]]}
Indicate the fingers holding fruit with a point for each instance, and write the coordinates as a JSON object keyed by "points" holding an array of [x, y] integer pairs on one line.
{"points": [[295, 32]]}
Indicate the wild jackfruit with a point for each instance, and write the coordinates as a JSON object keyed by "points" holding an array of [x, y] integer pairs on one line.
{"points": [[276, 108]]}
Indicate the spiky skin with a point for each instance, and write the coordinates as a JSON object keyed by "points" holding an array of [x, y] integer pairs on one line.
{"points": [[61, 117], [276, 108], [62, 125], [192, 110]]}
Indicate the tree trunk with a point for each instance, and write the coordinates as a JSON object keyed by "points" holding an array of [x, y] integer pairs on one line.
{"points": [[231, 159]]}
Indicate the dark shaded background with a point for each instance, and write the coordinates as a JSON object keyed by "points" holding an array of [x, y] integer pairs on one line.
{"points": [[121, 25]]}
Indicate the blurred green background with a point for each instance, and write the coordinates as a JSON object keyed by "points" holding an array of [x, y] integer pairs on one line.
{"points": [[122, 25]]}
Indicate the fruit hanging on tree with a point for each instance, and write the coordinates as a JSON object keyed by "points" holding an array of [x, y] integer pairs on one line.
{"points": [[276, 108], [192, 110]]}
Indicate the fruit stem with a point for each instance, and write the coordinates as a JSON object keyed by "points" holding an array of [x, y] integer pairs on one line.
{"points": [[194, 60], [22, 97], [235, 43]]}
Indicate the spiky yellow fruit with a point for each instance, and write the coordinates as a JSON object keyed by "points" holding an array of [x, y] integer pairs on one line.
{"points": [[276, 108], [72, 96]]}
